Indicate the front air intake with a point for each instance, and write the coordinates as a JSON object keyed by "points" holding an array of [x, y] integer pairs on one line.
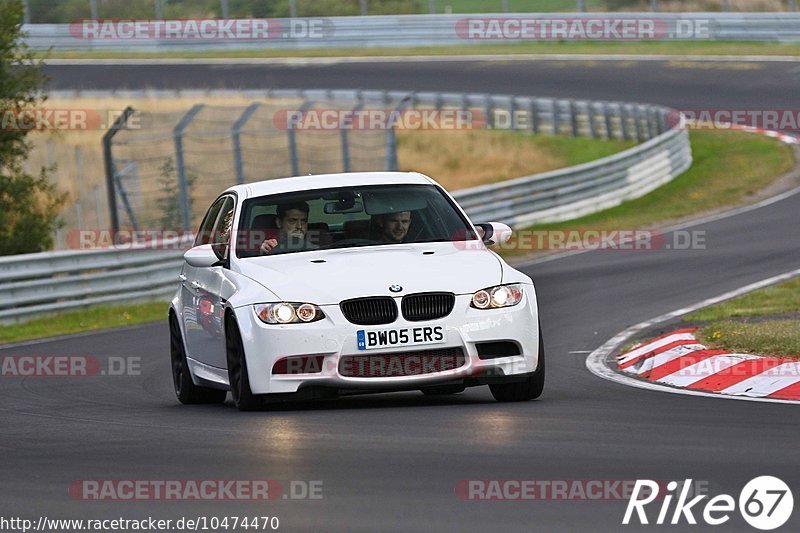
{"points": [[370, 311]]}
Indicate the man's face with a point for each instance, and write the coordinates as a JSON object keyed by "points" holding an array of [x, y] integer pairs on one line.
{"points": [[294, 224], [395, 226]]}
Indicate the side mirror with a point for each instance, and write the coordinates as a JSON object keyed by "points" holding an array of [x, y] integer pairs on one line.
{"points": [[494, 233], [203, 256]]}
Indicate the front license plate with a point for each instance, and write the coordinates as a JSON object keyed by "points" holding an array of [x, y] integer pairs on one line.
{"points": [[372, 339]]}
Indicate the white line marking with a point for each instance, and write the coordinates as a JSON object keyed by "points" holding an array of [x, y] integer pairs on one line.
{"points": [[599, 365], [650, 346], [781, 376]]}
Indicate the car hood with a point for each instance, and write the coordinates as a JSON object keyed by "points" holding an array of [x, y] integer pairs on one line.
{"points": [[326, 277]]}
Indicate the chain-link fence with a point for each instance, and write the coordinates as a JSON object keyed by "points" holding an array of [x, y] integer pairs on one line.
{"points": [[170, 167]]}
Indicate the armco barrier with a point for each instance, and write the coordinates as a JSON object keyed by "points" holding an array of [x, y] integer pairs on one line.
{"points": [[393, 31], [35, 284]]}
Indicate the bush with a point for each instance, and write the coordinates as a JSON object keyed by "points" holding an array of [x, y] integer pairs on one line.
{"points": [[29, 205]]}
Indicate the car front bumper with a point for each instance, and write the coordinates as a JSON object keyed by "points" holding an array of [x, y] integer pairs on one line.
{"points": [[334, 337]]}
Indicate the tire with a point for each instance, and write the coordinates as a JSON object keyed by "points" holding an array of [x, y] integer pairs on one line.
{"points": [[187, 392], [239, 379], [442, 390], [530, 389]]}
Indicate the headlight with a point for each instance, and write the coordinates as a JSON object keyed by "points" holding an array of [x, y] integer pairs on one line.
{"points": [[288, 313], [496, 297]]}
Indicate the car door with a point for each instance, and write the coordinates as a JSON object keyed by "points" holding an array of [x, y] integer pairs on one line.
{"points": [[205, 336]]}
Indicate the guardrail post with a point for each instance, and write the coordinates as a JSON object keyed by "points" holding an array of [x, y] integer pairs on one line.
{"points": [[180, 166], [488, 108], [79, 175], [792, 5], [343, 133], [654, 5], [652, 122], [533, 111], [513, 110], [293, 8], [224, 8], [108, 160], [432, 7], [556, 118], [93, 9], [607, 120], [662, 121], [391, 137], [591, 116], [581, 6], [573, 118], [236, 133], [362, 4], [637, 122], [623, 120], [292, 137]]}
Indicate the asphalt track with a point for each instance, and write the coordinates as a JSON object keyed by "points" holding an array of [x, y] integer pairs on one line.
{"points": [[392, 461]]}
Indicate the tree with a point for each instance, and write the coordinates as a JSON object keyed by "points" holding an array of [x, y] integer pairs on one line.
{"points": [[29, 205]]}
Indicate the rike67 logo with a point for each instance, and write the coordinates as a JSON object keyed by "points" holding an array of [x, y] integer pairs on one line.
{"points": [[765, 503]]}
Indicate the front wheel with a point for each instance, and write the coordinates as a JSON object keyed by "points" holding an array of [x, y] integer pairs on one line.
{"points": [[186, 391], [239, 380], [530, 389]]}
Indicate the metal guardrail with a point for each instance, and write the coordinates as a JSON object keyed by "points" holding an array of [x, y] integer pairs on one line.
{"points": [[584, 189], [35, 284], [393, 31]]}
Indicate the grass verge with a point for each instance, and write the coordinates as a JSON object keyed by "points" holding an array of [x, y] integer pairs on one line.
{"points": [[728, 169], [584, 47], [763, 322], [462, 159], [90, 319]]}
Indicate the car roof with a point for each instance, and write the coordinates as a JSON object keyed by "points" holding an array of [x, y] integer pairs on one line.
{"points": [[326, 181]]}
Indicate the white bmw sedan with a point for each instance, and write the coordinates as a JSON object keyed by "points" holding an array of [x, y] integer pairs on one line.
{"points": [[316, 286]]}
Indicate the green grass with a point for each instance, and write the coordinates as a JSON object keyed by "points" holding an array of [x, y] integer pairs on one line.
{"points": [[727, 168], [777, 300], [577, 150], [680, 48], [93, 318], [777, 338], [763, 322]]}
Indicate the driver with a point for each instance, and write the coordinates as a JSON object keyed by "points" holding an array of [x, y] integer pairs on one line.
{"points": [[393, 227], [292, 222]]}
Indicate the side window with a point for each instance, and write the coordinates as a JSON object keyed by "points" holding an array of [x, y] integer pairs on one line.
{"points": [[222, 229], [207, 226]]}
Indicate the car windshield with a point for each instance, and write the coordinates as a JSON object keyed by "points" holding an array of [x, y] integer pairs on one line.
{"points": [[347, 217]]}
